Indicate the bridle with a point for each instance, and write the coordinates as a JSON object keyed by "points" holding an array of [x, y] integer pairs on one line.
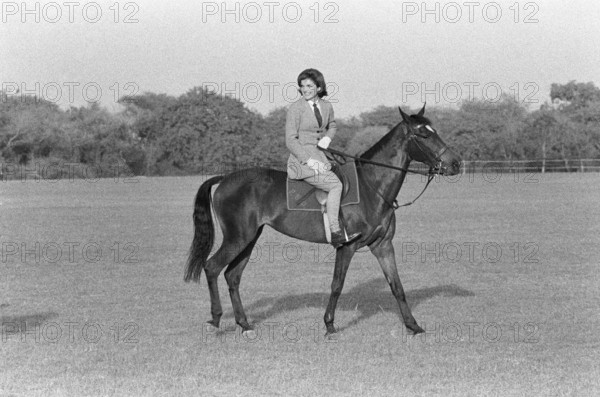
{"points": [[435, 158], [436, 169]]}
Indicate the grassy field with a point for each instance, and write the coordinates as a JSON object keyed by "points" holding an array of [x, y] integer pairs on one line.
{"points": [[501, 272]]}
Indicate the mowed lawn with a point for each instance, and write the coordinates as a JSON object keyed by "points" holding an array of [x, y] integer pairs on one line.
{"points": [[501, 271]]}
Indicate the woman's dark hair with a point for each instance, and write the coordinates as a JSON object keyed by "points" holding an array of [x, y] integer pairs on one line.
{"points": [[315, 76]]}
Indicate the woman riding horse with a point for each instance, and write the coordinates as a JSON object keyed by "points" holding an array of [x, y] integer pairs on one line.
{"points": [[310, 123]]}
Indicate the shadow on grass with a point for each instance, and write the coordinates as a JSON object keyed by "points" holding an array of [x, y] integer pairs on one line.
{"points": [[12, 325], [367, 299]]}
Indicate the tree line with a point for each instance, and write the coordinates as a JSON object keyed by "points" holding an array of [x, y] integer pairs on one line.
{"points": [[204, 132]]}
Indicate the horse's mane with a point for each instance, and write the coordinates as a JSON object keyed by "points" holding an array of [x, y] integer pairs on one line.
{"points": [[382, 143]]}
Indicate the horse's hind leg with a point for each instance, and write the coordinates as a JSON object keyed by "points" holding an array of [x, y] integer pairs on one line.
{"points": [[233, 276], [232, 254], [226, 254]]}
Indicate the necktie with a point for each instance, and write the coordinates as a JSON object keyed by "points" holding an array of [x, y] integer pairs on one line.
{"points": [[318, 115]]}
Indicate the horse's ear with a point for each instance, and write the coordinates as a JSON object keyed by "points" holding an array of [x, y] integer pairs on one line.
{"points": [[404, 115], [422, 111]]}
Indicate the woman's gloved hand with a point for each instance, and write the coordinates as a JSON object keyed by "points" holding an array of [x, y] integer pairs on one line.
{"points": [[324, 142], [318, 166]]}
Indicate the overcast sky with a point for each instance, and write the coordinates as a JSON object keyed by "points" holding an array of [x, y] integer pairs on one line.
{"points": [[371, 53]]}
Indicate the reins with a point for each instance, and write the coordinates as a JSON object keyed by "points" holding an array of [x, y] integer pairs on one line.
{"points": [[363, 160], [342, 160]]}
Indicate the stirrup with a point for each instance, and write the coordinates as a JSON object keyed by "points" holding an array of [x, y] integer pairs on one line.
{"points": [[340, 238]]}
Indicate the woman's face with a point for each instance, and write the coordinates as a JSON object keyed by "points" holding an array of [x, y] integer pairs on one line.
{"points": [[309, 89]]}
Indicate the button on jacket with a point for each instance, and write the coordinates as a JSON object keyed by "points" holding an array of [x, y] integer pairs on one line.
{"points": [[302, 133]]}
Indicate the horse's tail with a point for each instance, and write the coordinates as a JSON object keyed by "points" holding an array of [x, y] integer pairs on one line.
{"points": [[204, 233]]}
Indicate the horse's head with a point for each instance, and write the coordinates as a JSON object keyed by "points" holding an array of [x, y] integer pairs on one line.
{"points": [[426, 146]]}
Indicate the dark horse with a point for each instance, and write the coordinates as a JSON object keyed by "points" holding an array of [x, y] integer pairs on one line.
{"points": [[247, 200]]}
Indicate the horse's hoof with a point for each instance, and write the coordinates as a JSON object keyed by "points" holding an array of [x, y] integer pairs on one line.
{"points": [[249, 334], [211, 326], [332, 336], [415, 329], [330, 329]]}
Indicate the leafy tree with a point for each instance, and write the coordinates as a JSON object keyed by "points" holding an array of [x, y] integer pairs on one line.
{"points": [[578, 108], [574, 95], [384, 116], [29, 128], [270, 145], [542, 132], [200, 131], [348, 131]]}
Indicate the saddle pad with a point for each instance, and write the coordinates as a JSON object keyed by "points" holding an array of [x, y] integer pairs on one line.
{"points": [[298, 189]]}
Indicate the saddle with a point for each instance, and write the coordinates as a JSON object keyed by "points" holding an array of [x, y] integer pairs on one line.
{"points": [[302, 196]]}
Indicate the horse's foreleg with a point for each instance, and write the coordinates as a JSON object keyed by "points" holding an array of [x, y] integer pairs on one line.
{"points": [[342, 262], [384, 252]]}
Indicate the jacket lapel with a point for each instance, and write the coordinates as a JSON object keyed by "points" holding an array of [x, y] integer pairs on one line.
{"points": [[324, 113], [324, 108]]}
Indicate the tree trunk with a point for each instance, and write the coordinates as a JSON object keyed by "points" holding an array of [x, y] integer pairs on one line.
{"points": [[9, 143]]}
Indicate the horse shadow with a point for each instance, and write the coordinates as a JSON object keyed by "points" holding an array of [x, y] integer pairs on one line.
{"points": [[368, 299]]}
